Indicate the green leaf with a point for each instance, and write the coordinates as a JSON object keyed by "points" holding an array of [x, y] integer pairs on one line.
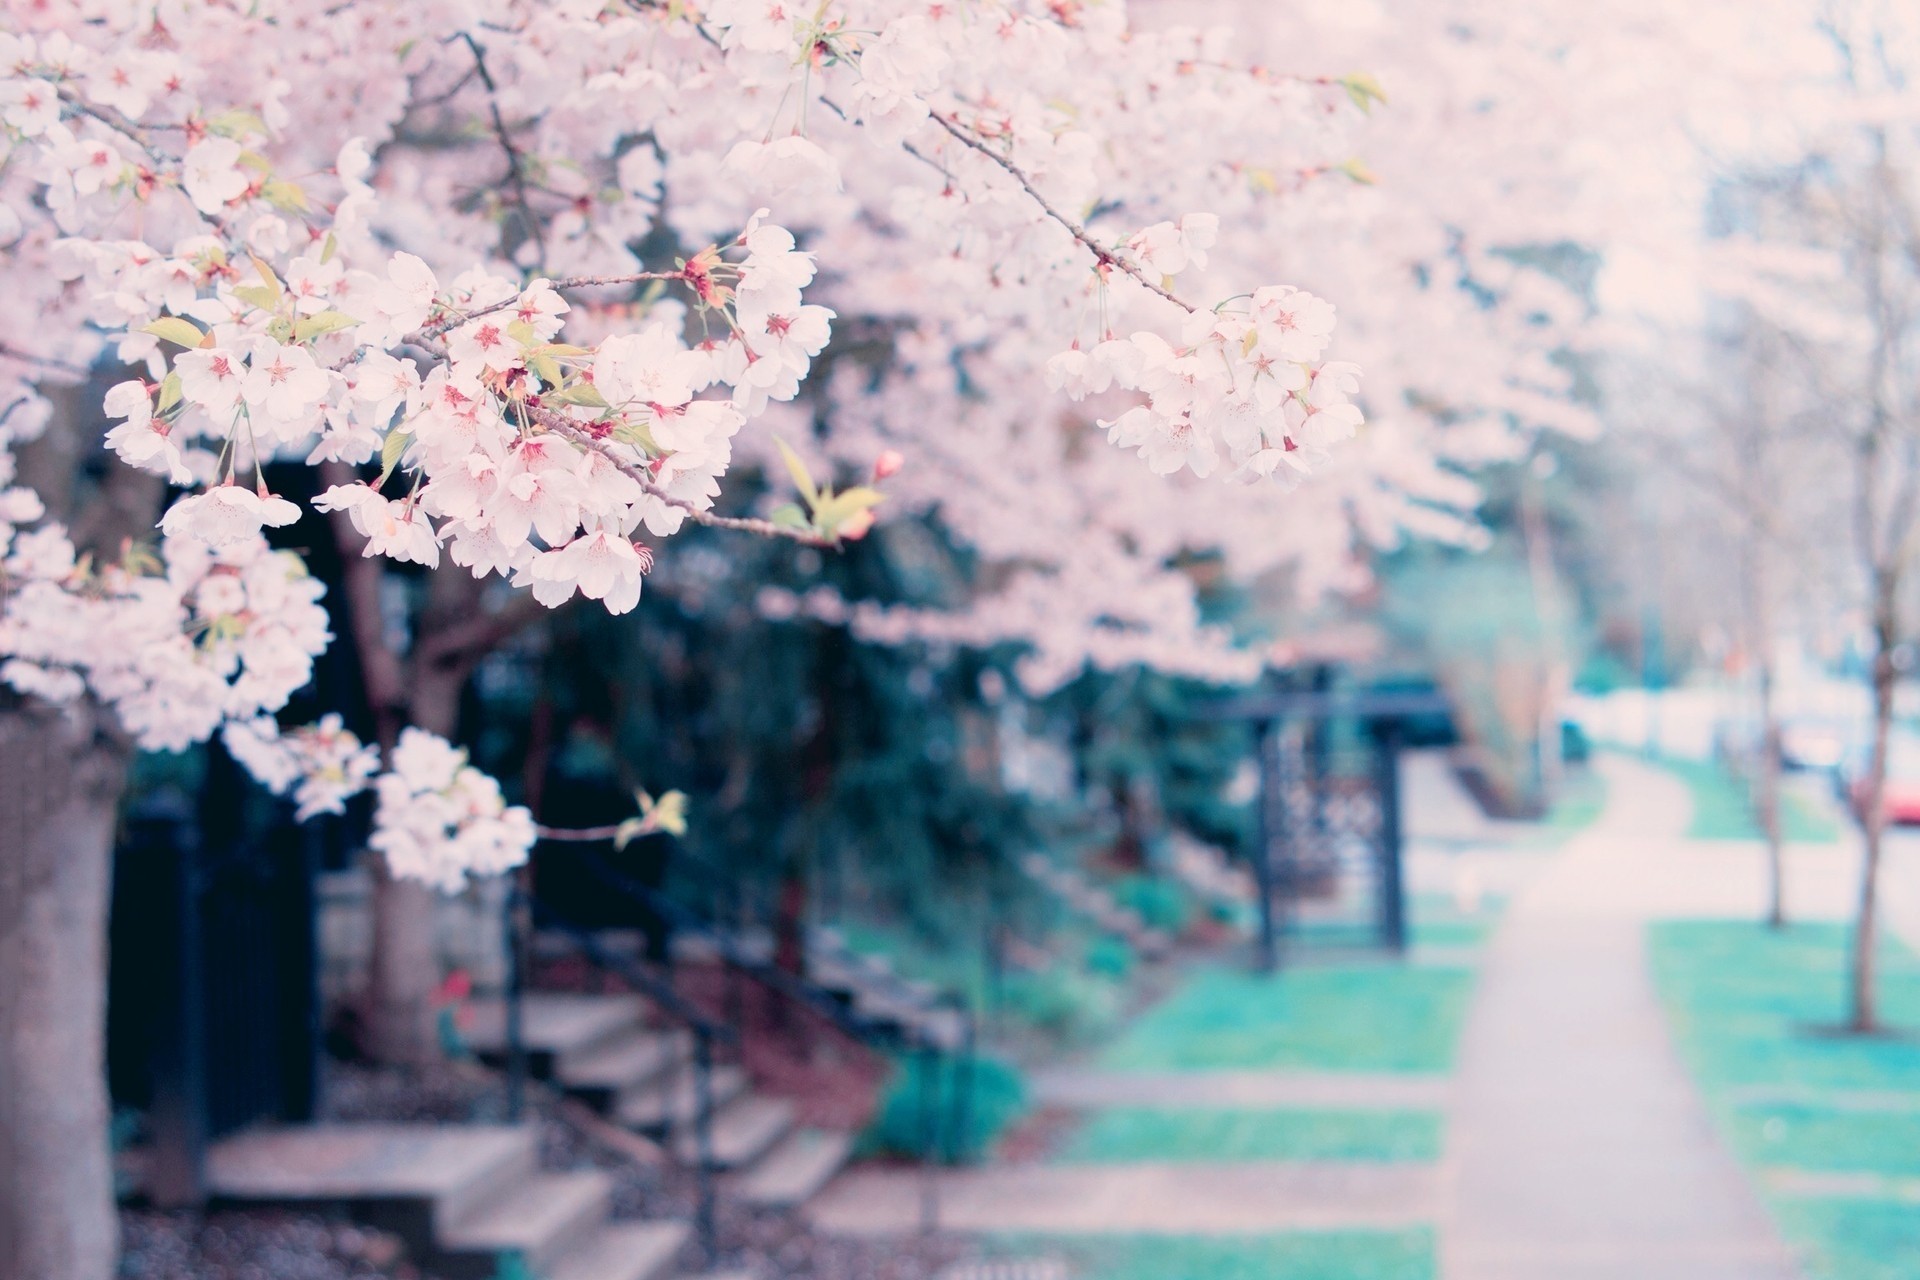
{"points": [[257, 295], [267, 277], [629, 831], [285, 196], [802, 478], [280, 329], [255, 161], [237, 123], [1364, 90], [390, 450], [838, 510], [181, 333], [328, 248], [638, 434], [546, 368], [580, 392], [668, 813], [1358, 172], [790, 516], [169, 392], [307, 328], [522, 332]]}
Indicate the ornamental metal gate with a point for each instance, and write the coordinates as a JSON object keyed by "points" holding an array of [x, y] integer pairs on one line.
{"points": [[1328, 856], [1330, 830]]}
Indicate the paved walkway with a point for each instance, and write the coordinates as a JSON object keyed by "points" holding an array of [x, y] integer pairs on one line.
{"points": [[1081, 1087], [1580, 1150], [1182, 1198]]}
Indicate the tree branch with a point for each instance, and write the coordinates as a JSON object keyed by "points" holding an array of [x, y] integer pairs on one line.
{"points": [[516, 159], [478, 635], [568, 429], [380, 668], [1104, 256]]}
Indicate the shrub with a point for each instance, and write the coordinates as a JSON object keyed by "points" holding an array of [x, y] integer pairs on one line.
{"points": [[997, 1099]]}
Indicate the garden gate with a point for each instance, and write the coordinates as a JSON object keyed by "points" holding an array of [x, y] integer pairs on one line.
{"points": [[1328, 856]]}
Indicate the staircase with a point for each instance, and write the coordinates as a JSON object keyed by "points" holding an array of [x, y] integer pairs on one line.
{"points": [[1085, 898], [602, 1050], [465, 1198]]}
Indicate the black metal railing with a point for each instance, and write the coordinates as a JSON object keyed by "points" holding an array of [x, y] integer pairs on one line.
{"points": [[527, 914], [939, 1028]]}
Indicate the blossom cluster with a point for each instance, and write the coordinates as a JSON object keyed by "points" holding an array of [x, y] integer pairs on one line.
{"points": [[323, 764], [226, 633], [473, 280], [440, 819], [1252, 384]]}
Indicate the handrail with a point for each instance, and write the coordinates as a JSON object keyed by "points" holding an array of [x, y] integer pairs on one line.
{"points": [[911, 1035], [705, 1032]]}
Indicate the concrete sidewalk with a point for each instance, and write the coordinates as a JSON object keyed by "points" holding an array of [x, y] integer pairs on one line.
{"points": [[1579, 1148], [1176, 1198]]}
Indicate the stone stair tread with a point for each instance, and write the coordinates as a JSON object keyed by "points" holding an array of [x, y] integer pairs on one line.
{"points": [[672, 1101], [795, 1170], [553, 1022], [625, 1251], [539, 1218], [626, 1062], [365, 1161], [743, 1131]]}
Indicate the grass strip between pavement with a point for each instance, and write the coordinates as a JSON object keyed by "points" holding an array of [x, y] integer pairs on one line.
{"points": [[1754, 1012], [1120, 1134], [1300, 1255], [1368, 1017]]}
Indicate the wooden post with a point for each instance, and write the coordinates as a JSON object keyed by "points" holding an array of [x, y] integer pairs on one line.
{"points": [[1271, 825]]}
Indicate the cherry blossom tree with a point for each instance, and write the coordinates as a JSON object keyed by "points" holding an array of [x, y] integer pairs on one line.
{"points": [[524, 284], [1829, 263], [500, 276]]}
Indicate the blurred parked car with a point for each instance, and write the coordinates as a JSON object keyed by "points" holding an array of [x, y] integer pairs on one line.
{"points": [[1902, 798], [1817, 745]]}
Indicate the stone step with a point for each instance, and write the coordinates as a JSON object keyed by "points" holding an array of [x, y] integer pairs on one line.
{"points": [[790, 1174], [625, 1251], [622, 1066], [743, 1131], [755, 946], [408, 1179], [554, 1025], [671, 1100], [540, 1219]]}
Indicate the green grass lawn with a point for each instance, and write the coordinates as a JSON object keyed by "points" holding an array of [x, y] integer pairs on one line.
{"points": [[1302, 1255], [1722, 809], [1856, 1239], [1810, 1136], [1333, 1018], [1747, 1004], [1120, 1134], [1750, 1008]]}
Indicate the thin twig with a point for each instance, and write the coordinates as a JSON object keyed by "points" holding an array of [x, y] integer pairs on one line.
{"points": [[578, 835], [27, 357], [1103, 255], [568, 429], [441, 326], [516, 160]]}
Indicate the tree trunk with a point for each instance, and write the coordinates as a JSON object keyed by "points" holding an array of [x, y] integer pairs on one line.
{"points": [[58, 795], [1768, 794], [406, 962], [1865, 1015]]}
